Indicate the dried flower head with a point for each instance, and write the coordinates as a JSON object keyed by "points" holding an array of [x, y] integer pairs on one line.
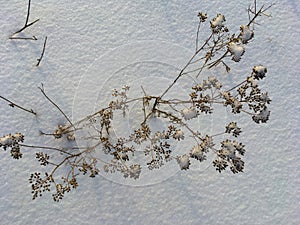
{"points": [[217, 23], [178, 135], [198, 153], [246, 34], [202, 16], [12, 142], [259, 72], [262, 116], [236, 50], [183, 161]]}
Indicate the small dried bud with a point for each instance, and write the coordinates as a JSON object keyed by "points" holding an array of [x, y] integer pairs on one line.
{"points": [[217, 23], [259, 72], [202, 16]]}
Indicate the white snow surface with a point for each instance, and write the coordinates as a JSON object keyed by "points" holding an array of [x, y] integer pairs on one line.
{"points": [[80, 32]]}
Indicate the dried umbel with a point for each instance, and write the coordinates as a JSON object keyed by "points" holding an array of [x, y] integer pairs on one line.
{"points": [[12, 142], [108, 153]]}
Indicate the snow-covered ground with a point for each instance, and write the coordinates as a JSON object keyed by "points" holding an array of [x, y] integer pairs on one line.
{"points": [[85, 39]]}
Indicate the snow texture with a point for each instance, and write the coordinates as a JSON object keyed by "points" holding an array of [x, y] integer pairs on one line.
{"points": [[78, 33]]}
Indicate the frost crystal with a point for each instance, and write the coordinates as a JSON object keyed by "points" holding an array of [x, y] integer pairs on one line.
{"points": [[189, 113], [236, 50], [183, 161]]}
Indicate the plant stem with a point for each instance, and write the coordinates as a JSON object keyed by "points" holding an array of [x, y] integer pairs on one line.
{"points": [[181, 72], [53, 103], [27, 18], [12, 104], [48, 148], [43, 52], [23, 38]]}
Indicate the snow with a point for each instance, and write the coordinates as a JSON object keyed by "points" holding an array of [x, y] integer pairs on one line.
{"points": [[236, 50], [183, 161], [82, 32], [218, 22], [246, 34]]}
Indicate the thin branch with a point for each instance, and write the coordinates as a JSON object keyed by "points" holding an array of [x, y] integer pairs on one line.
{"points": [[12, 104], [53, 103], [25, 25], [43, 52], [52, 134], [197, 37], [179, 121], [144, 105], [50, 148], [236, 86], [217, 61], [262, 10], [28, 13], [228, 90], [24, 38], [182, 70]]}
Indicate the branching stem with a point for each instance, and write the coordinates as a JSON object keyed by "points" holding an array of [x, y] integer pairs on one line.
{"points": [[26, 25], [53, 103]]}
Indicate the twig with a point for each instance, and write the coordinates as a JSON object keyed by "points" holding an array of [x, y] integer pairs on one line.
{"points": [[24, 38], [12, 104], [144, 107], [262, 10], [50, 148], [217, 61], [53, 103], [181, 72], [27, 18], [197, 37], [43, 52], [26, 25]]}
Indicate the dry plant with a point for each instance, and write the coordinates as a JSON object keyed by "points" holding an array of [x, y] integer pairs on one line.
{"points": [[65, 164], [34, 38], [26, 25]]}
